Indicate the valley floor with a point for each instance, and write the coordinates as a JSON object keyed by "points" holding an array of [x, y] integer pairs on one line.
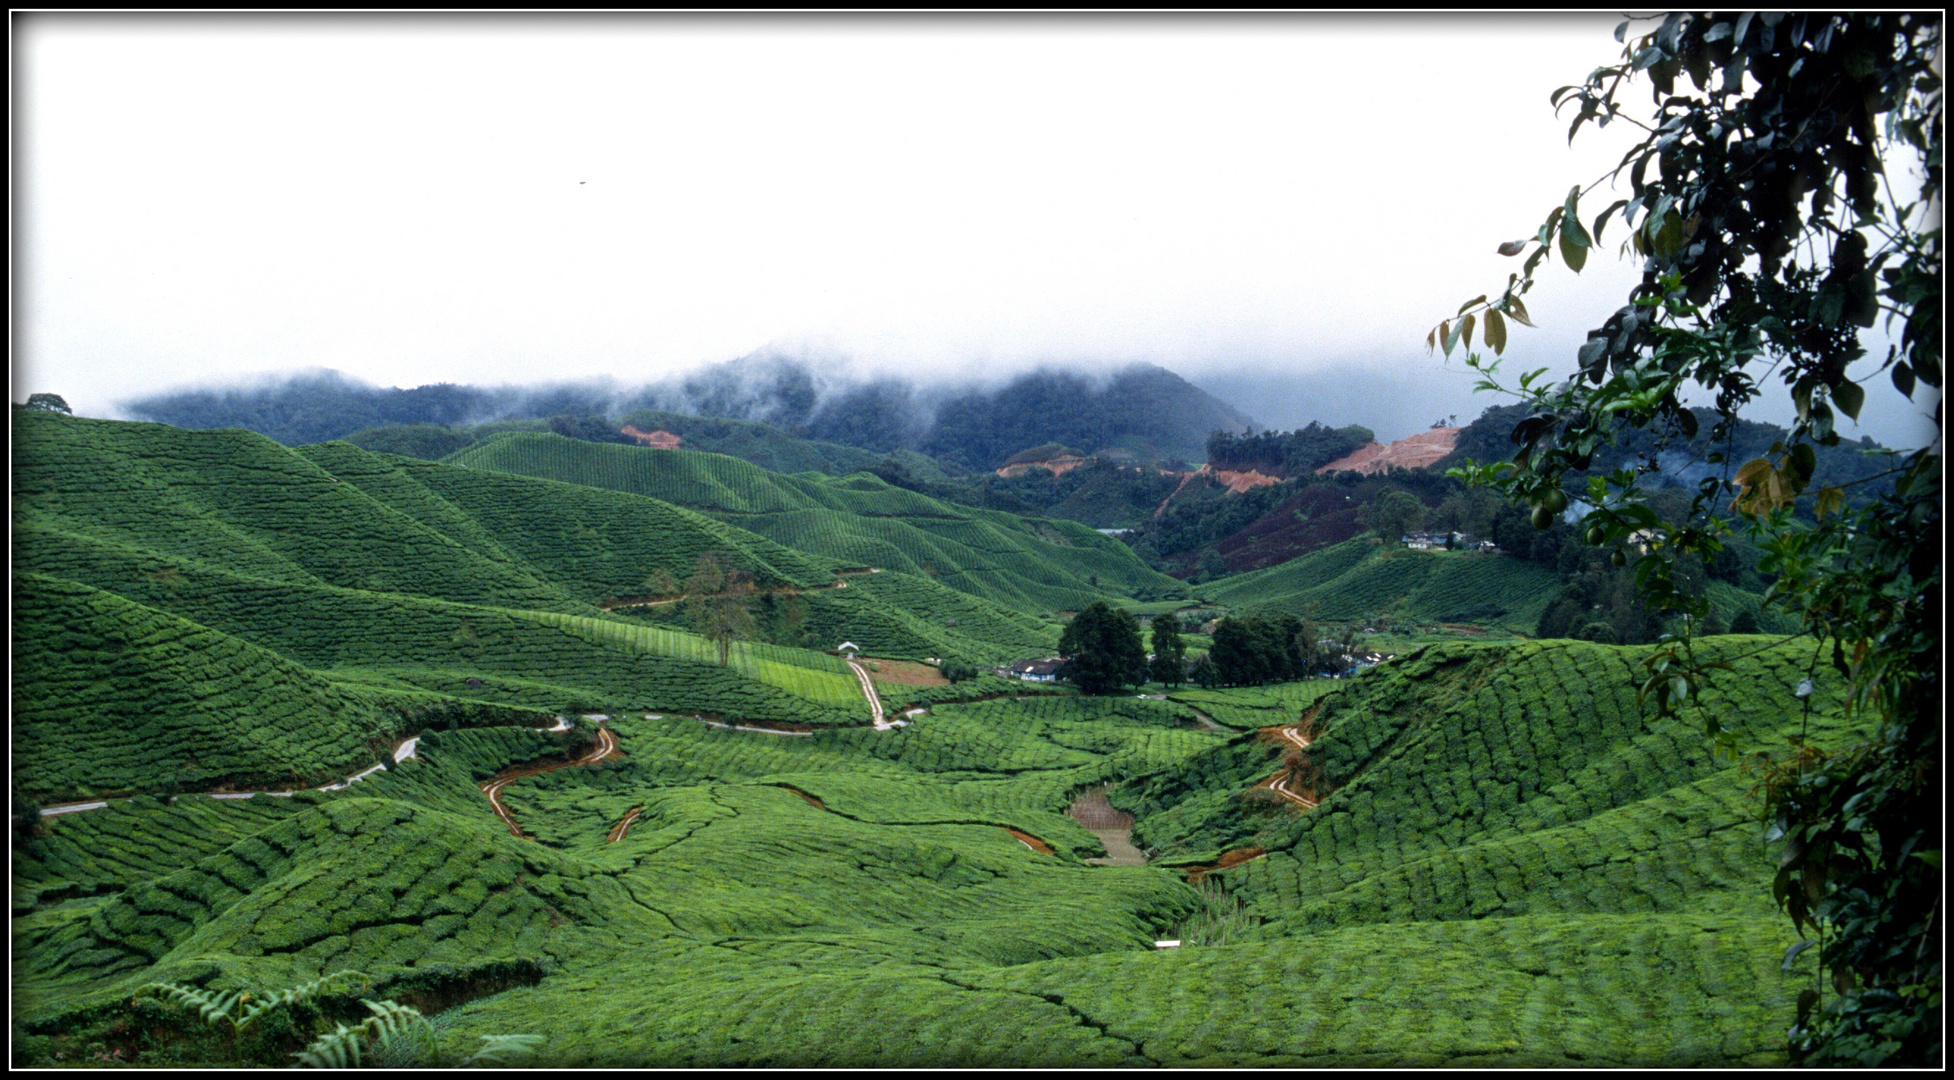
{"points": [[1473, 855]]}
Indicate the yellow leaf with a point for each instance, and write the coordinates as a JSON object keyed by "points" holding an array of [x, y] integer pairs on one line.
{"points": [[1830, 500], [1495, 332], [1752, 471]]}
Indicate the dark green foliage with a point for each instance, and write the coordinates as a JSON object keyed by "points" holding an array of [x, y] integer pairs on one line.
{"points": [[1393, 514], [1102, 649], [1251, 650], [1286, 453], [957, 670], [1169, 663]]}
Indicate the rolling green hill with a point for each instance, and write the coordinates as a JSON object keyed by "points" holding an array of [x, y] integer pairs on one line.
{"points": [[1511, 864], [109, 696], [1023, 563], [336, 594], [1359, 579], [1508, 860]]}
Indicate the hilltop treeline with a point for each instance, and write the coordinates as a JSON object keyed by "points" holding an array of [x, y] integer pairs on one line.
{"points": [[1148, 410], [1286, 453]]}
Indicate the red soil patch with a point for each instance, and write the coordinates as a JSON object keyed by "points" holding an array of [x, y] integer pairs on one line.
{"points": [[904, 672], [659, 440], [1415, 452], [809, 799], [1030, 841], [1228, 859], [1057, 466], [1238, 481]]}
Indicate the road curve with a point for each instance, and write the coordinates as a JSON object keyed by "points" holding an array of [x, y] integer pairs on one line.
{"points": [[606, 747], [618, 830]]}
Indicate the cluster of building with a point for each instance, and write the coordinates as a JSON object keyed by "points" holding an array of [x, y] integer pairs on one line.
{"points": [[1450, 541], [1343, 665], [1045, 670]]}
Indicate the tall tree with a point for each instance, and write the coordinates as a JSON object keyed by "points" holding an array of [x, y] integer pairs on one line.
{"points": [[1772, 236], [1169, 664], [1393, 514], [719, 603], [1102, 647]]}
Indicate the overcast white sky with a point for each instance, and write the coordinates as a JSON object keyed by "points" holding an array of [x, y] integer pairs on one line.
{"points": [[1260, 204]]}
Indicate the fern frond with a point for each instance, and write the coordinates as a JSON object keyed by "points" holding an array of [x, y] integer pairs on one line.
{"points": [[339, 1049], [499, 1048], [295, 995], [391, 1019], [212, 1005]]}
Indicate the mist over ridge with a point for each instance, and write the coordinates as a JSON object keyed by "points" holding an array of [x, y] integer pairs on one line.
{"points": [[1142, 408]]}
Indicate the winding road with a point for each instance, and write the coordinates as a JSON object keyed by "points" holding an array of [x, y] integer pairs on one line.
{"points": [[606, 747], [1279, 783]]}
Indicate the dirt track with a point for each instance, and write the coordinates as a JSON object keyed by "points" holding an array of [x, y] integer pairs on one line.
{"points": [[1279, 783], [606, 747]]}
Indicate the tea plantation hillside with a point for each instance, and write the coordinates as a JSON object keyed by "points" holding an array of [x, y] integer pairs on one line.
{"points": [[111, 695], [1484, 855], [205, 608], [1360, 579], [1510, 864], [861, 520]]}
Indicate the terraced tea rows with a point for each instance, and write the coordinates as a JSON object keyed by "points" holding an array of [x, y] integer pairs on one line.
{"points": [[1357, 580], [1509, 861], [1028, 564]]}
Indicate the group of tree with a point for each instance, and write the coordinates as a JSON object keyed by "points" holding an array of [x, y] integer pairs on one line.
{"points": [[718, 601], [1772, 235], [1169, 664], [1251, 650], [1286, 453], [47, 403], [1102, 649]]}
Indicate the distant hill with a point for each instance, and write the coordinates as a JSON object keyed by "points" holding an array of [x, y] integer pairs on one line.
{"points": [[1359, 578], [862, 520], [1147, 410]]}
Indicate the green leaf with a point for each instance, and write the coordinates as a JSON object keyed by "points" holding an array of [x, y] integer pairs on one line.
{"points": [[1574, 240], [1849, 396], [1518, 310], [1448, 340], [1465, 331], [1601, 222], [1480, 299], [1903, 378]]}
